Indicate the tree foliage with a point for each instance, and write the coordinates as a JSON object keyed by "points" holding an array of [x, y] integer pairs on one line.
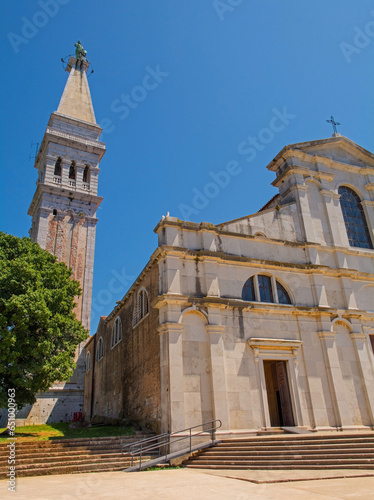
{"points": [[38, 329]]}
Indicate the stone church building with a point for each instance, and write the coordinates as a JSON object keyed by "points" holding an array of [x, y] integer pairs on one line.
{"points": [[263, 321]]}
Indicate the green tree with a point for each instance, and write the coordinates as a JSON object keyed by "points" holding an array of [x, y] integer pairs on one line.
{"points": [[38, 329]]}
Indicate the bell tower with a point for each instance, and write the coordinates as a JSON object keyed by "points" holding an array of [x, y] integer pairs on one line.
{"points": [[63, 211], [65, 202]]}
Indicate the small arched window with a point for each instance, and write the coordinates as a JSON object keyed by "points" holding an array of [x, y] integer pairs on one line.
{"points": [[58, 167], [88, 361], [72, 171], [283, 297], [354, 218], [86, 174], [263, 288], [54, 212], [248, 292], [100, 349], [141, 307], [117, 332]]}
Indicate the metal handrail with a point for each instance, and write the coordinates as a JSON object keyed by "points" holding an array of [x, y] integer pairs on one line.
{"points": [[147, 445]]}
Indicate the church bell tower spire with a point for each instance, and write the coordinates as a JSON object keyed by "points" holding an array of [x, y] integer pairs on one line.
{"points": [[65, 202]]}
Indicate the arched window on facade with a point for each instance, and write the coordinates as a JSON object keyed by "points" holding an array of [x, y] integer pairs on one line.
{"points": [[72, 171], [141, 308], [283, 297], [100, 349], [117, 332], [88, 361], [58, 167], [86, 174], [264, 288], [264, 285], [354, 218], [248, 292]]}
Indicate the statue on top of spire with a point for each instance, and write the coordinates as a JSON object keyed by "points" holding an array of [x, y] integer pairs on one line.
{"points": [[80, 53]]}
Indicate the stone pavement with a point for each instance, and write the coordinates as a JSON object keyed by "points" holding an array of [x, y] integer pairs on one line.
{"points": [[186, 484]]}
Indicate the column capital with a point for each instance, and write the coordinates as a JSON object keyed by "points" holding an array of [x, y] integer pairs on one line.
{"points": [[331, 194], [357, 336], [326, 335], [170, 328], [215, 329], [367, 203]]}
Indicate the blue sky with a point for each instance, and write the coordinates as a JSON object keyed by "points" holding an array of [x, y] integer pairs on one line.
{"points": [[231, 73]]}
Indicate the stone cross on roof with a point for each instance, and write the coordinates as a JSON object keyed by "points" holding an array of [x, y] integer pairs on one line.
{"points": [[334, 124]]}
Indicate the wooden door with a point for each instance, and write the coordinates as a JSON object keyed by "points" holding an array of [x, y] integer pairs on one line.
{"points": [[285, 396]]}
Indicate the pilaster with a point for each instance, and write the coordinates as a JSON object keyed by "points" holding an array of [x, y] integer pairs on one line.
{"points": [[302, 192], [350, 299], [172, 385], [335, 220], [221, 408], [172, 280], [336, 382], [319, 290], [211, 277], [368, 207], [88, 275], [362, 349]]}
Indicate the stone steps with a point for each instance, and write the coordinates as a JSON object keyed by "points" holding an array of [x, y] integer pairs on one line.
{"points": [[52, 456], [319, 448], [65, 449], [72, 469], [292, 453], [283, 467], [68, 456], [348, 451]]}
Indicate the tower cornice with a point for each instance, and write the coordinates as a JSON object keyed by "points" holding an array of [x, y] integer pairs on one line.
{"points": [[75, 141], [61, 191]]}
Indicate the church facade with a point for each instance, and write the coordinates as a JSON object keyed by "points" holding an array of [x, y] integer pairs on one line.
{"points": [[265, 321]]}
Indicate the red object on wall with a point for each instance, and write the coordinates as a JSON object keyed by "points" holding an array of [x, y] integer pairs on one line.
{"points": [[77, 417]]}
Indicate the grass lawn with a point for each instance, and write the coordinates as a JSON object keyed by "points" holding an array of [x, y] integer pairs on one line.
{"points": [[59, 431]]}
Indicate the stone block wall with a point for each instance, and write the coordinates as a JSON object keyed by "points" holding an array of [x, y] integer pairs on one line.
{"points": [[126, 381]]}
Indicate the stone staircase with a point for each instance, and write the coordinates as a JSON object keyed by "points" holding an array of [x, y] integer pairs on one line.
{"points": [[318, 452], [68, 456]]}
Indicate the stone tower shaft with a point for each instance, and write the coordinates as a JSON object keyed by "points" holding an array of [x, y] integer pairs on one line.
{"points": [[65, 202]]}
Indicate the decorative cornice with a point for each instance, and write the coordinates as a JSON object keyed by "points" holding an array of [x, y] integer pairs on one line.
{"points": [[96, 145], [307, 268], [169, 298], [278, 344], [59, 191], [305, 152]]}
